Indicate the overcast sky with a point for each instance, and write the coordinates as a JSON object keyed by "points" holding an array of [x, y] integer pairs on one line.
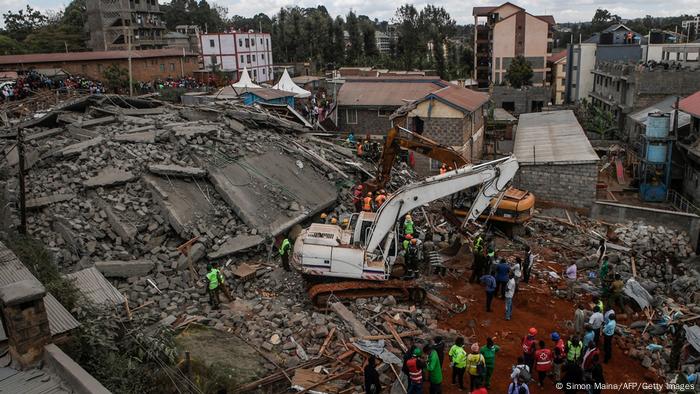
{"points": [[563, 10]]}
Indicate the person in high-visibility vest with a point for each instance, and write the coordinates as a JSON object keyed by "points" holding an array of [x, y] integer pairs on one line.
{"points": [[408, 225], [213, 277], [458, 361], [574, 346], [381, 197], [415, 366], [285, 247], [367, 203], [407, 242], [478, 262]]}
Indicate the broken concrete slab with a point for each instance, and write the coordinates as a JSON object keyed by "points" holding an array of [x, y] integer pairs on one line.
{"points": [[196, 253], [48, 200], [347, 316], [44, 134], [199, 113], [261, 198], [194, 130], [31, 156], [65, 230], [110, 176], [143, 137], [78, 148], [80, 133], [125, 230], [176, 170], [96, 121], [182, 203], [235, 245], [124, 269]]}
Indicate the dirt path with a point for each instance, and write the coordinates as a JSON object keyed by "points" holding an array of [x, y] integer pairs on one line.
{"points": [[532, 307]]}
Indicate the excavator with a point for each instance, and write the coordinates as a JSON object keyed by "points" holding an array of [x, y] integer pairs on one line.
{"points": [[515, 207], [360, 259]]}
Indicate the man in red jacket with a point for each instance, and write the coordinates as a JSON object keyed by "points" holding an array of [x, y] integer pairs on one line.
{"points": [[543, 358], [529, 345]]}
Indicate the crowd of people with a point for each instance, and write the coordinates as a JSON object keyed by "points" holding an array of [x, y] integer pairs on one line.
{"points": [[317, 108], [159, 84], [32, 81], [573, 362]]}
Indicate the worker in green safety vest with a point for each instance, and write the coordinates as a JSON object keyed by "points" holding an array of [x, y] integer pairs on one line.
{"points": [[214, 279], [285, 247], [408, 225]]}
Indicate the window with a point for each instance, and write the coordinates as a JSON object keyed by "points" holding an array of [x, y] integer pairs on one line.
{"points": [[162, 67], [253, 57], [247, 58], [211, 44], [172, 66], [252, 42], [255, 73], [384, 113], [213, 60], [262, 56], [508, 105], [350, 116], [240, 43], [242, 59], [261, 41], [263, 70], [247, 43]]}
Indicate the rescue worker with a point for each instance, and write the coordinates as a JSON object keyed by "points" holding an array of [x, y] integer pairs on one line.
{"points": [[351, 139], [489, 352], [478, 264], [543, 358], [381, 197], [476, 366], [284, 250], [529, 345], [407, 242], [558, 356], [323, 218], [434, 368], [443, 169], [458, 362], [412, 257], [213, 277], [408, 225], [334, 221], [345, 223], [574, 346], [415, 366], [360, 150], [367, 203], [357, 197]]}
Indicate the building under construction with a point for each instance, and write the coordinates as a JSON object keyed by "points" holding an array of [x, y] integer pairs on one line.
{"points": [[111, 21]]}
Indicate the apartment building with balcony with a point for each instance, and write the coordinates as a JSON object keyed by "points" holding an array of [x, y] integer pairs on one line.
{"points": [[113, 24], [235, 51], [503, 32]]}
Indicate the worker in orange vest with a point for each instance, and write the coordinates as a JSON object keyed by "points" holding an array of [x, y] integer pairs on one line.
{"points": [[367, 203], [443, 169], [381, 197], [360, 149]]}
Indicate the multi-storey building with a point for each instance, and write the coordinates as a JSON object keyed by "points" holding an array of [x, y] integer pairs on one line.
{"points": [[235, 51], [383, 41], [113, 24], [504, 32], [558, 66]]}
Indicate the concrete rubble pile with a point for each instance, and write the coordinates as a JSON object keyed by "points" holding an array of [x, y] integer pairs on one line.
{"points": [[666, 267], [120, 184]]}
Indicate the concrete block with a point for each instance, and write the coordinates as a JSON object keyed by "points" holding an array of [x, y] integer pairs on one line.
{"points": [[235, 245], [78, 148], [44, 201], [175, 170], [110, 176], [22, 291], [124, 269], [143, 137]]}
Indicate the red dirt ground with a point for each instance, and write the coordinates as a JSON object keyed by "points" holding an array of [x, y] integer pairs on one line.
{"points": [[532, 307]]}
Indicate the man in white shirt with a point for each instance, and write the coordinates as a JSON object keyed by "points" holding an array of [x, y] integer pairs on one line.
{"points": [[570, 276], [510, 292], [596, 322]]}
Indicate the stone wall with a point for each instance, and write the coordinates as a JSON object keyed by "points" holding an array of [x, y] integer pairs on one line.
{"points": [[368, 121], [521, 98], [571, 185]]}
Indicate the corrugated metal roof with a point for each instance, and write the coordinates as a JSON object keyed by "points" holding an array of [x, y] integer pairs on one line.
{"points": [[33, 381], [463, 98], [269, 94], [557, 56], [85, 56], [95, 287], [664, 106], [691, 104], [12, 270], [383, 92], [556, 136]]}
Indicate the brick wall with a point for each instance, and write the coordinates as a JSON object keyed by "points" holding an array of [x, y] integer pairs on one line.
{"points": [[142, 69], [446, 131], [27, 328], [521, 98], [571, 185], [368, 121]]}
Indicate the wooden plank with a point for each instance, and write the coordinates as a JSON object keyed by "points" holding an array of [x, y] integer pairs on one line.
{"points": [[327, 341], [398, 339], [328, 379], [634, 268]]}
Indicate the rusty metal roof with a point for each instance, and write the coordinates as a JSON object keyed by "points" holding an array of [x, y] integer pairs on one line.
{"points": [[466, 99], [12, 270], [691, 104], [87, 56], [386, 91]]}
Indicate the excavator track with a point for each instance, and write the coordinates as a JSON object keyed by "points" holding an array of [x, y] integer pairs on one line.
{"points": [[350, 289]]}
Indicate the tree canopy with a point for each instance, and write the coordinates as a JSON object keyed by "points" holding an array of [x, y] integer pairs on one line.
{"points": [[519, 73]]}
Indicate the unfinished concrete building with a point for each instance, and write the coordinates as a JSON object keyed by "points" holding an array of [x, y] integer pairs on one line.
{"points": [[111, 22]]}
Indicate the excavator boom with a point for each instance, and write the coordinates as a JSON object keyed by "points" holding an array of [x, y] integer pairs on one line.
{"points": [[494, 178]]}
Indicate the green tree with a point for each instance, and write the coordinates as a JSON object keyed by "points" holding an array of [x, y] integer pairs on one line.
{"points": [[117, 78], [519, 72], [354, 50], [411, 47], [602, 19], [10, 46], [18, 25], [369, 42]]}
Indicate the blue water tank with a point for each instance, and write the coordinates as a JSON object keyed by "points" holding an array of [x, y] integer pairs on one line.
{"points": [[658, 125], [656, 153]]}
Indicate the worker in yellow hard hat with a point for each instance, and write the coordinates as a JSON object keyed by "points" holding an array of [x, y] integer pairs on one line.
{"points": [[323, 218], [345, 223], [334, 221]]}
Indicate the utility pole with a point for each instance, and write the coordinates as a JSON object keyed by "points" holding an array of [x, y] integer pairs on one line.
{"points": [[131, 81], [22, 188]]}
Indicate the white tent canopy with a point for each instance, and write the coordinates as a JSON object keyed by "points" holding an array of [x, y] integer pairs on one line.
{"points": [[285, 83], [245, 82]]}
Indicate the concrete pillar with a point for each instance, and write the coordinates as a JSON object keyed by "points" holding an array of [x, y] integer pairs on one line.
{"points": [[26, 321]]}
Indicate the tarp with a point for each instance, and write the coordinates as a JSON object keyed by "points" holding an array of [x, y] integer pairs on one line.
{"points": [[692, 334], [635, 291], [285, 83], [377, 349], [245, 82]]}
